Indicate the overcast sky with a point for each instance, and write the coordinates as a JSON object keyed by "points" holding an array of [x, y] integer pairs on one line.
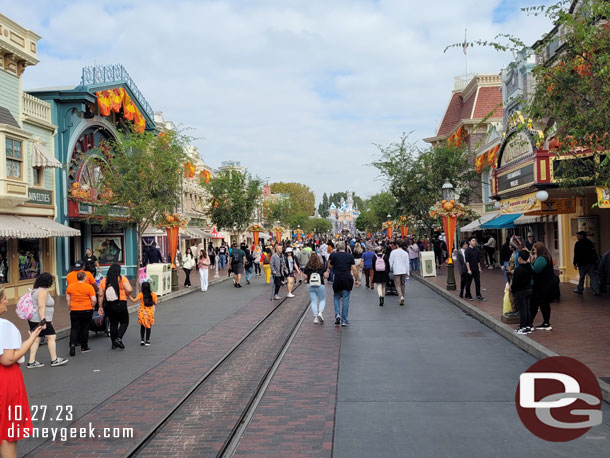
{"points": [[295, 90]]}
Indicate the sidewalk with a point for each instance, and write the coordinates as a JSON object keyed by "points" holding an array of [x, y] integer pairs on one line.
{"points": [[61, 318], [581, 324]]}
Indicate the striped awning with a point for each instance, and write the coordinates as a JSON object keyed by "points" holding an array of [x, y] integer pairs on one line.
{"points": [[196, 233], [33, 227], [41, 157]]}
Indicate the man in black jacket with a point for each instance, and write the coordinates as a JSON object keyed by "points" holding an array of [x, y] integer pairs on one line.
{"points": [[585, 260], [460, 265], [521, 287], [473, 267]]}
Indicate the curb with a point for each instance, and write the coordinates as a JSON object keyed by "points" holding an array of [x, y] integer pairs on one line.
{"points": [[528, 345], [65, 332]]}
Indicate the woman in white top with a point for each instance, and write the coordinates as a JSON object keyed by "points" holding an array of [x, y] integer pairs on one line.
{"points": [[13, 396], [188, 262]]}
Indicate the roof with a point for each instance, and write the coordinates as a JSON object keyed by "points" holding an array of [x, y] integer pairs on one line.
{"points": [[7, 118], [477, 105]]}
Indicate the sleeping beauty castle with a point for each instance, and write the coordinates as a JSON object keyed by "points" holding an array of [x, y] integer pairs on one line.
{"points": [[344, 217]]}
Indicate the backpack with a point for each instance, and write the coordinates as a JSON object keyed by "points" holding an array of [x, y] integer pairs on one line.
{"points": [[111, 294], [235, 257], [315, 280], [379, 263], [25, 306]]}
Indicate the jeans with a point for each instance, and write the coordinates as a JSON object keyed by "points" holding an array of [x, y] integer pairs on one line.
{"points": [[80, 320], [118, 317], [222, 261], [343, 294], [522, 301], [331, 276], [187, 280], [414, 264], [317, 294], [476, 275], [588, 269], [249, 273], [277, 282], [257, 268]]}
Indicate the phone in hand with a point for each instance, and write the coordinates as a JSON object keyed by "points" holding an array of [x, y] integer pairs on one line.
{"points": [[43, 323]]}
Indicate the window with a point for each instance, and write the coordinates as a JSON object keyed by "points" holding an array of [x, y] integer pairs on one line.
{"points": [[29, 258], [38, 176], [4, 261], [14, 158]]}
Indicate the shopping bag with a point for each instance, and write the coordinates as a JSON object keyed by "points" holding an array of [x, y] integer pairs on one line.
{"points": [[507, 306]]}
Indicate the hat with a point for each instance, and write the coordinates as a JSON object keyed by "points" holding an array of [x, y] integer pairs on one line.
{"points": [[288, 250], [530, 234], [78, 264], [582, 233]]}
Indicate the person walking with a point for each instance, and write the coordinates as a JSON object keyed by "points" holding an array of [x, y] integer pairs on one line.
{"points": [[238, 260], [381, 273], [91, 263], [256, 256], [292, 270], [344, 268], [473, 268], [413, 251], [521, 287], [276, 265], [154, 254], [146, 312], [490, 250], [112, 295], [604, 271], [585, 260], [222, 256], [248, 263], [81, 299], [460, 265], [543, 285], [265, 260], [367, 265], [399, 265], [188, 262], [314, 276], [44, 309], [357, 252], [203, 265], [17, 425]]}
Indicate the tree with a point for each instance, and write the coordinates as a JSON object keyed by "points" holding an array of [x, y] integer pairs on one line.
{"points": [[277, 210], [130, 167], [319, 226], [302, 199], [235, 197], [375, 212], [323, 206], [415, 176]]}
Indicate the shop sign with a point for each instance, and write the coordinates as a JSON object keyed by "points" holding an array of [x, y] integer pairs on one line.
{"points": [[490, 207], [519, 145], [516, 178], [120, 212], [556, 207], [603, 197], [523, 204], [40, 197]]}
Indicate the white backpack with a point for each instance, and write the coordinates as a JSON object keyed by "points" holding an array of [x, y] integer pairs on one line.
{"points": [[315, 279], [111, 294]]}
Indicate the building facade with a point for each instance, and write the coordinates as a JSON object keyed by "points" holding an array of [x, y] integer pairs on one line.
{"points": [[343, 218]]}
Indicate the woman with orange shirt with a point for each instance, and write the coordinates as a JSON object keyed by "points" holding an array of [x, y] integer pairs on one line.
{"points": [[146, 313], [80, 297], [112, 294]]}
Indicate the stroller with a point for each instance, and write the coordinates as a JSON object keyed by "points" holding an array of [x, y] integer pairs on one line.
{"points": [[390, 288], [99, 323]]}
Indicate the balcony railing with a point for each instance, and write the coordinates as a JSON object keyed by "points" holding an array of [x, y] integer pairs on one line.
{"points": [[36, 108]]}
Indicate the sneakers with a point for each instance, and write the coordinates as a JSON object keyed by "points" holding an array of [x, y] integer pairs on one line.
{"points": [[381, 302], [522, 331], [85, 349], [481, 299], [316, 320], [402, 301], [544, 327], [345, 323], [34, 365], [469, 298], [321, 317], [277, 297], [142, 343], [337, 320], [147, 343], [290, 295], [247, 282], [72, 350], [58, 362]]}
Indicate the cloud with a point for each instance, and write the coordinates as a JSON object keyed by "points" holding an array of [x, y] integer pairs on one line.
{"points": [[296, 91]]}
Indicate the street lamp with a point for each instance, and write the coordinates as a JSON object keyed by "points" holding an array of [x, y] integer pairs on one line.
{"points": [[448, 195]]}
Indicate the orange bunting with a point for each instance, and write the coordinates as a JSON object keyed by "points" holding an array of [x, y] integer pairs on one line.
{"points": [[112, 100]]}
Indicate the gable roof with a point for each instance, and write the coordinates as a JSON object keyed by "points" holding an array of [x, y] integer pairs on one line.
{"points": [[7, 118]]}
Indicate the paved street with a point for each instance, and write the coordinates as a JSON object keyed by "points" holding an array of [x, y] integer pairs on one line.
{"points": [[424, 380]]}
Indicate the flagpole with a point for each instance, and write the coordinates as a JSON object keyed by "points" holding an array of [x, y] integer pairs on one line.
{"points": [[466, 49]]}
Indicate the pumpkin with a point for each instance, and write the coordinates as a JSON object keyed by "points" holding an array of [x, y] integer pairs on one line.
{"points": [[448, 206]]}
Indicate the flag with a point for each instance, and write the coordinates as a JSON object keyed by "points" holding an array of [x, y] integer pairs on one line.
{"points": [[465, 44]]}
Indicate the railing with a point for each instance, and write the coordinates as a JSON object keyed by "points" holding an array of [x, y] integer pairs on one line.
{"points": [[99, 74], [462, 81], [36, 108]]}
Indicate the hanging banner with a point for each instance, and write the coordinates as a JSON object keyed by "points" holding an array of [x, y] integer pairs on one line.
{"points": [[522, 204], [172, 240], [603, 197], [449, 223]]}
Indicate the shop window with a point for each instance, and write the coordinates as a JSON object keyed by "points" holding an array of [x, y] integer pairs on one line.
{"points": [[29, 258], [14, 158], [37, 176], [4, 261]]}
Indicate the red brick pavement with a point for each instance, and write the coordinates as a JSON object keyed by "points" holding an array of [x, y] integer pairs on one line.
{"points": [[296, 416], [581, 324], [145, 401]]}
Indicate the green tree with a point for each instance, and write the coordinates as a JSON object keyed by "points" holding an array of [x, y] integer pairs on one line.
{"points": [[130, 168], [278, 210], [302, 199], [235, 197], [415, 176], [375, 212], [323, 206], [319, 226]]}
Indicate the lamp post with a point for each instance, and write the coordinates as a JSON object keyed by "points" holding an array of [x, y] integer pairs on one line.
{"points": [[449, 227]]}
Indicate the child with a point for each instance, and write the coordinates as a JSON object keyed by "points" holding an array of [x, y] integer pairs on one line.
{"points": [[521, 288], [146, 314]]}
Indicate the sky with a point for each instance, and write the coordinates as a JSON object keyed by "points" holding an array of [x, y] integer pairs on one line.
{"points": [[296, 90]]}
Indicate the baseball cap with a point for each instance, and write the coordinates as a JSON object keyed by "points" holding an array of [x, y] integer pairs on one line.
{"points": [[78, 264], [288, 250]]}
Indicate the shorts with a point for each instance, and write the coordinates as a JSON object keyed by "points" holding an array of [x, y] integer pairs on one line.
{"points": [[49, 331], [237, 269]]}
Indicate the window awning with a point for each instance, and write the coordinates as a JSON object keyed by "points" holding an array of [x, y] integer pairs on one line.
{"points": [[476, 224], [196, 232], [502, 221], [41, 157], [33, 227], [532, 219]]}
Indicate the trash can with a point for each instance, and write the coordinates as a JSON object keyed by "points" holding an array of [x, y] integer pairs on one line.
{"points": [[427, 263], [161, 277]]}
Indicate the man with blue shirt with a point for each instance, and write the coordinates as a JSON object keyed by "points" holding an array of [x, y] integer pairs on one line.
{"points": [[367, 265]]}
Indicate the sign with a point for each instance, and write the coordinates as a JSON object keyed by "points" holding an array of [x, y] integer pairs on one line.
{"points": [[40, 197], [490, 207], [523, 204], [557, 207], [603, 197], [519, 145], [516, 178]]}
